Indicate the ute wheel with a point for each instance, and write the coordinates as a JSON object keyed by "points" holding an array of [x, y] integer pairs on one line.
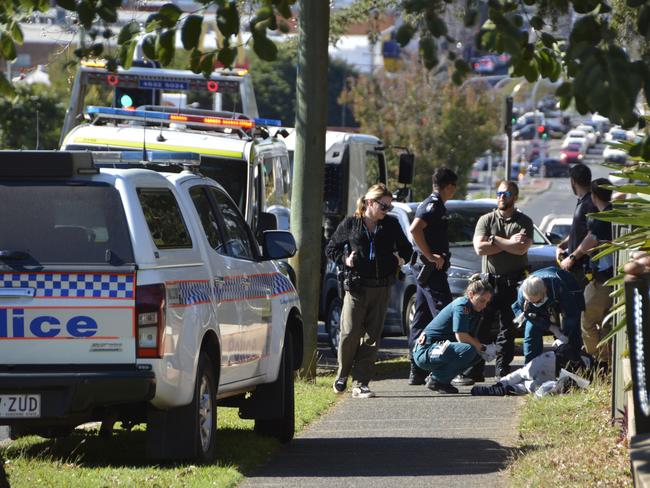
{"points": [[282, 428], [408, 314], [333, 323], [204, 410]]}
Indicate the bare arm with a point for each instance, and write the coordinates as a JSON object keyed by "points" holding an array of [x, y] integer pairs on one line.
{"points": [[483, 247], [518, 244], [586, 246], [468, 339]]}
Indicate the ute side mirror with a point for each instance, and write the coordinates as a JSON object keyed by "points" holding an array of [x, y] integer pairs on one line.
{"points": [[406, 168], [278, 244]]}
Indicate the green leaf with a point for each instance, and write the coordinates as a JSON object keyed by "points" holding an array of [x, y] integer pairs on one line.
{"points": [[67, 4], [7, 47], [128, 32], [634, 3], [437, 27], [195, 60], [191, 31], [227, 56], [126, 53], [107, 13], [585, 6], [113, 3], [264, 47], [405, 33], [16, 32], [165, 46], [6, 88], [228, 19], [470, 17], [537, 22], [149, 46], [169, 15], [428, 52], [586, 29], [86, 13], [207, 64]]}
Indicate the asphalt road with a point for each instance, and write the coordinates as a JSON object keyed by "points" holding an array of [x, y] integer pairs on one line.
{"points": [[559, 199]]}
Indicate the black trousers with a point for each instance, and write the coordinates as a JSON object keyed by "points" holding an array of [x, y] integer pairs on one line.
{"points": [[429, 300], [498, 312]]}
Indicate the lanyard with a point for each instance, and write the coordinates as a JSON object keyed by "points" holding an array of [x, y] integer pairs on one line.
{"points": [[371, 238]]}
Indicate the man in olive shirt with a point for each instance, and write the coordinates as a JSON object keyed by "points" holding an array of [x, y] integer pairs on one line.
{"points": [[502, 237]]}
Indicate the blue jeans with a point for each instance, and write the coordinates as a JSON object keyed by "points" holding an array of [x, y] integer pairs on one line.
{"points": [[457, 358], [533, 340]]}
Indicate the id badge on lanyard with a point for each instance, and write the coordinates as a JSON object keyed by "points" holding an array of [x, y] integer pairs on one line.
{"points": [[371, 238]]}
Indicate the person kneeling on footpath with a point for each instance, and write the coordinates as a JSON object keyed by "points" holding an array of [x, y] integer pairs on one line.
{"points": [[550, 373], [446, 346]]}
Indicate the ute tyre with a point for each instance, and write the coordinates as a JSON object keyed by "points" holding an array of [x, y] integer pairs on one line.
{"points": [[333, 323], [282, 428], [204, 410]]}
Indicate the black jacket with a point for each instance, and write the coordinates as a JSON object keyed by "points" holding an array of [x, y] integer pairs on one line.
{"points": [[387, 239]]}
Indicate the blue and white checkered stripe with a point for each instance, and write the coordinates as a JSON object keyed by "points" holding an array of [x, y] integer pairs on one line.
{"points": [[72, 285], [233, 289]]}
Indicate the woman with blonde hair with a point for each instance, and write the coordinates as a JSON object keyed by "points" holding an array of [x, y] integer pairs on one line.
{"points": [[371, 245]]}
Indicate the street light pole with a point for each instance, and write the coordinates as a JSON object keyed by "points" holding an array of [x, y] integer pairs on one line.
{"points": [[508, 130]]}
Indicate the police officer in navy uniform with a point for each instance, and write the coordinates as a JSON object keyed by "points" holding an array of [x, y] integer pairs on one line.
{"points": [[429, 231]]}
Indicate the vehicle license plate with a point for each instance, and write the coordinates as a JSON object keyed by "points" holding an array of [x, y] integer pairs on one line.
{"points": [[20, 406]]}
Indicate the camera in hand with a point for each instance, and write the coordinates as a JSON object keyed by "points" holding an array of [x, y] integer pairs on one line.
{"points": [[351, 281]]}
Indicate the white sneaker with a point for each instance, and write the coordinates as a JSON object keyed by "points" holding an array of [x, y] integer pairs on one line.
{"points": [[362, 392]]}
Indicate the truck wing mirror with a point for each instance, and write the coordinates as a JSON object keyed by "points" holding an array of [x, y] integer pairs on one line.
{"points": [[406, 168]]}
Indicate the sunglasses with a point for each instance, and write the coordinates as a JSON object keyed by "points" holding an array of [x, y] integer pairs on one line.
{"points": [[386, 207], [505, 194]]}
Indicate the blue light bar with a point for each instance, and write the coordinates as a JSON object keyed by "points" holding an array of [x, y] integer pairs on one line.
{"points": [[122, 112], [272, 122]]}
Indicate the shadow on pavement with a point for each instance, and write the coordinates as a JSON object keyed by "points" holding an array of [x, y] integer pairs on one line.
{"points": [[386, 457]]}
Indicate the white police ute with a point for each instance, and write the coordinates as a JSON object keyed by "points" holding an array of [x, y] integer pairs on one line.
{"points": [[134, 295]]}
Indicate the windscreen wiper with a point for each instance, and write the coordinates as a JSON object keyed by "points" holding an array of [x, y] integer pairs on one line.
{"points": [[9, 255]]}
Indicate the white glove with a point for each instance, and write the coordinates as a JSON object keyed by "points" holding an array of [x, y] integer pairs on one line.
{"points": [[560, 341], [519, 320], [490, 353]]}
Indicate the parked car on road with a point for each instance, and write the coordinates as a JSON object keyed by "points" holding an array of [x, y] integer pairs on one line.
{"points": [[548, 167], [556, 227]]}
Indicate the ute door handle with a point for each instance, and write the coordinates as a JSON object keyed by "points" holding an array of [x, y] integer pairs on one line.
{"points": [[219, 281], [245, 281]]}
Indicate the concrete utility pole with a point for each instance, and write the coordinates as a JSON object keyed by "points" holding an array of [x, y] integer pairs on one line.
{"points": [[309, 169]]}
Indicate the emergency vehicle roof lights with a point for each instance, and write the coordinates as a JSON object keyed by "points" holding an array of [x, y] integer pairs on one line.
{"points": [[159, 158], [188, 119]]}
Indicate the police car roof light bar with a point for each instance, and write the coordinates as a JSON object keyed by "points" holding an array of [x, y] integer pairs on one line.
{"points": [[136, 158], [187, 119]]}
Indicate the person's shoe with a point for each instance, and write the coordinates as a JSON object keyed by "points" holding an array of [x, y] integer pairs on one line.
{"points": [[462, 380], [501, 372], [417, 376], [340, 385], [441, 387], [362, 392]]}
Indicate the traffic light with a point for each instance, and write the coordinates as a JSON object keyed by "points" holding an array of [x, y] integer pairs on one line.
{"points": [[541, 131]]}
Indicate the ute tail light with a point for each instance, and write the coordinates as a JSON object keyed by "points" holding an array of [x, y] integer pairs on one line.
{"points": [[150, 320]]}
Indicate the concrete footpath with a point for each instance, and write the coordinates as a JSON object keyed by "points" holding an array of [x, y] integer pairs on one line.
{"points": [[406, 436]]}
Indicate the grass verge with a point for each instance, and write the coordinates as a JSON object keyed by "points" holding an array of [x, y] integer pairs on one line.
{"points": [[85, 460], [569, 440]]}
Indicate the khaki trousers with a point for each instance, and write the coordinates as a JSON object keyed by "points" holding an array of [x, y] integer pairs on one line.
{"points": [[362, 321], [598, 302]]}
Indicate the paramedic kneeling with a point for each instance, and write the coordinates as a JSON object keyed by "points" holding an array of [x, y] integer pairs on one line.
{"points": [[550, 299], [445, 346]]}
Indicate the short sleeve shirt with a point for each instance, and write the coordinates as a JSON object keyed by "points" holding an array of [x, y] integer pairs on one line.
{"points": [[458, 316], [433, 212], [579, 223], [504, 263]]}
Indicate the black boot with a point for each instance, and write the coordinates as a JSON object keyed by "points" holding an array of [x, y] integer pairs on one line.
{"points": [[417, 376]]}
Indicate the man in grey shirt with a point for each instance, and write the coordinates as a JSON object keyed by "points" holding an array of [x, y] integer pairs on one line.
{"points": [[502, 237]]}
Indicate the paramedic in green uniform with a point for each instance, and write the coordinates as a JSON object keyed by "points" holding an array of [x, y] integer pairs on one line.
{"points": [[446, 346]]}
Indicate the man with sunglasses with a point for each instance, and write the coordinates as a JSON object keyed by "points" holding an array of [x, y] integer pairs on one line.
{"points": [[549, 299], [431, 261], [502, 237]]}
